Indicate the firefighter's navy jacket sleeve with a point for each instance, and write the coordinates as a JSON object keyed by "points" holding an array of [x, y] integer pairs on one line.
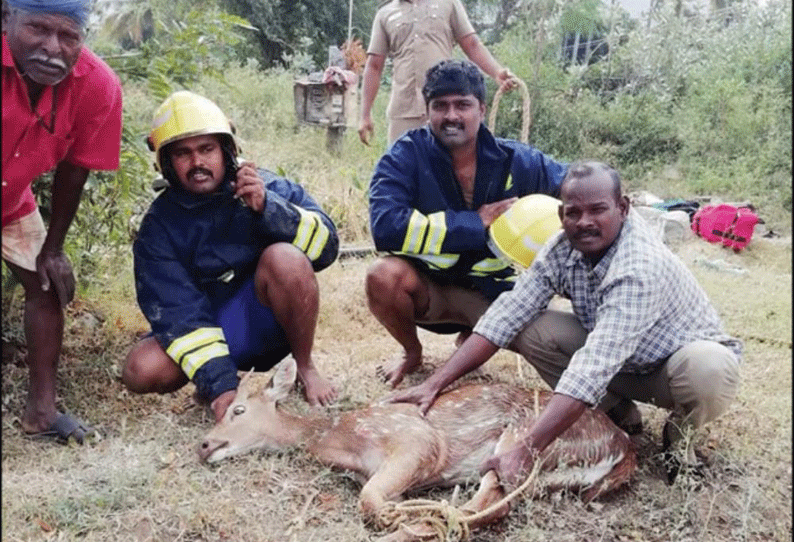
{"points": [[292, 216], [397, 221], [174, 299]]}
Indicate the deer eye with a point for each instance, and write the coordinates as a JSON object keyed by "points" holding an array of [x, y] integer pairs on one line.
{"points": [[239, 409]]}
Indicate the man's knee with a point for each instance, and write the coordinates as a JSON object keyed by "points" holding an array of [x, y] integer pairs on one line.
{"points": [[392, 284], [284, 268], [282, 260], [554, 334], [149, 369], [35, 296], [704, 380], [387, 275]]}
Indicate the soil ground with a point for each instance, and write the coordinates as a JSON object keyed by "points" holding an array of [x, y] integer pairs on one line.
{"points": [[141, 479]]}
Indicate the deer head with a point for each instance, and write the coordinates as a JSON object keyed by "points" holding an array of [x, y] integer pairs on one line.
{"points": [[252, 422]]}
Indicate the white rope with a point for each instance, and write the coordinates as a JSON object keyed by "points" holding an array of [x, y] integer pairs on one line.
{"points": [[448, 523]]}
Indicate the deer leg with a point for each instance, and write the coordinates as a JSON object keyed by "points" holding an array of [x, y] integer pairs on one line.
{"points": [[389, 482], [490, 490], [385, 486]]}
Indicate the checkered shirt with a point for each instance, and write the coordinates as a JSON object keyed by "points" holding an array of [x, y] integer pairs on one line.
{"points": [[639, 305]]}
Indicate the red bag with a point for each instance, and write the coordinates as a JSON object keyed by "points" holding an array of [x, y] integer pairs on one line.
{"points": [[725, 224]]}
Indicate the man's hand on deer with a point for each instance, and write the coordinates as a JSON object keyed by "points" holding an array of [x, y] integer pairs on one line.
{"points": [[422, 395], [512, 467]]}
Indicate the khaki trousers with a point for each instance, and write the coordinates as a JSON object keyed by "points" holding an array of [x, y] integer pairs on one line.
{"points": [[451, 308], [398, 127], [697, 383]]}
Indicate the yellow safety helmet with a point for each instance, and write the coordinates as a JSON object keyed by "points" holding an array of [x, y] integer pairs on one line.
{"points": [[186, 114], [520, 232]]}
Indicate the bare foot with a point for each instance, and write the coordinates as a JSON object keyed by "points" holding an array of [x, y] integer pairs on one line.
{"points": [[393, 371], [317, 389], [34, 421]]}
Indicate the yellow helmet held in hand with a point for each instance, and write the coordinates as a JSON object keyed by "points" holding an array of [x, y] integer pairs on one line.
{"points": [[186, 114], [520, 232]]}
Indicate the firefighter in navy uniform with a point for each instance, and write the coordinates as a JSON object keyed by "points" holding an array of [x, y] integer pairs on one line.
{"points": [[432, 197], [225, 264]]}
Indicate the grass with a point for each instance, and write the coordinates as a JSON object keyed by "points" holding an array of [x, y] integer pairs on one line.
{"points": [[141, 481]]}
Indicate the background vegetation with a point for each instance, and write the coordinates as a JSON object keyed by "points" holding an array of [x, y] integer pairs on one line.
{"points": [[685, 104], [688, 103]]}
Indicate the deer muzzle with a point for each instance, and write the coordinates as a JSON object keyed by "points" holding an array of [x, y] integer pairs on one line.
{"points": [[209, 447]]}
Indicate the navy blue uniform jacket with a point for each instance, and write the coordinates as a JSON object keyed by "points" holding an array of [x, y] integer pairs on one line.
{"points": [[193, 252], [417, 209]]}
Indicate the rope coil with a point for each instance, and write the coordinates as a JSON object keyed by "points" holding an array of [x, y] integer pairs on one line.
{"points": [[525, 115], [448, 523]]}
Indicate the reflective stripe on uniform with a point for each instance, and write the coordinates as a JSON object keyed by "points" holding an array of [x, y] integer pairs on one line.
{"points": [[195, 349], [415, 233], [312, 234], [436, 233], [487, 266], [425, 234]]}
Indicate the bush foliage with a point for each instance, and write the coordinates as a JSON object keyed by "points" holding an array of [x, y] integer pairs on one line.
{"points": [[683, 105]]}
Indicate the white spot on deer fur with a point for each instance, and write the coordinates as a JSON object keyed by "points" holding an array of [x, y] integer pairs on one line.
{"points": [[582, 476]]}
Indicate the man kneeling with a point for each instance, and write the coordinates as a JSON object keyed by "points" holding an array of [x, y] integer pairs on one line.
{"points": [[225, 264]]}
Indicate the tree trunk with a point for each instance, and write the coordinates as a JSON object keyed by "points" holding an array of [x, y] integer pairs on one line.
{"points": [[575, 51]]}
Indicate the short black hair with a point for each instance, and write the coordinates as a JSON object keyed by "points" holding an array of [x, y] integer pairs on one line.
{"points": [[453, 77], [585, 168]]}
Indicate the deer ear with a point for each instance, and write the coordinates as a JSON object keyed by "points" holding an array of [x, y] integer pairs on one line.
{"points": [[282, 381], [244, 387]]}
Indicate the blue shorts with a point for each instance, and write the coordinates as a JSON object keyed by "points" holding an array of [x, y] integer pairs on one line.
{"points": [[254, 337]]}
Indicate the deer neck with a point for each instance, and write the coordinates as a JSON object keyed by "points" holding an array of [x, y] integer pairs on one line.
{"points": [[333, 440], [302, 431]]}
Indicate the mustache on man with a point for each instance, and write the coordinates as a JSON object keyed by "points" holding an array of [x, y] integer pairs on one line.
{"points": [[49, 60]]}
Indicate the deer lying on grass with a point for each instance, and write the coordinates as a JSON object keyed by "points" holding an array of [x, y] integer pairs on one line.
{"points": [[393, 448]]}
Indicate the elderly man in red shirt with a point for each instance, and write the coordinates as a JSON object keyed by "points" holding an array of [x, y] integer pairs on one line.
{"points": [[61, 110]]}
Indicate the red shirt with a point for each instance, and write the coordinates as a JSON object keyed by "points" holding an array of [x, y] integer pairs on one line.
{"points": [[87, 127]]}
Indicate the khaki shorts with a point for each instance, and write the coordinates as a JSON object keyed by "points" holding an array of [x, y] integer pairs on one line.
{"points": [[23, 239], [452, 309]]}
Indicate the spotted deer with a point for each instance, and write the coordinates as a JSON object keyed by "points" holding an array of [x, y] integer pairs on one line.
{"points": [[392, 448]]}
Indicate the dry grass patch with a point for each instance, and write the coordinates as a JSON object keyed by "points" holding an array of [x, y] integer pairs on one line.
{"points": [[141, 481]]}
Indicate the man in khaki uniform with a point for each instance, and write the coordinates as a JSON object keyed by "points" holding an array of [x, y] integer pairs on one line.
{"points": [[417, 34]]}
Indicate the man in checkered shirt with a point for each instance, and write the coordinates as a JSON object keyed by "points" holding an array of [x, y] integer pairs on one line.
{"points": [[642, 328]]}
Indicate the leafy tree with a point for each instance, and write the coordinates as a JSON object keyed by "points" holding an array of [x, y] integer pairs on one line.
{"points": [[492, 18], [286, 27]]}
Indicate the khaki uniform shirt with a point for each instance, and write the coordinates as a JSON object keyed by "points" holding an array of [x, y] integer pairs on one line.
{"points": [[416, 34]]}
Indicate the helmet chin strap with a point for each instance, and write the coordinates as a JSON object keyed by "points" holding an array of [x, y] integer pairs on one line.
{"points": [[230, 159]]}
